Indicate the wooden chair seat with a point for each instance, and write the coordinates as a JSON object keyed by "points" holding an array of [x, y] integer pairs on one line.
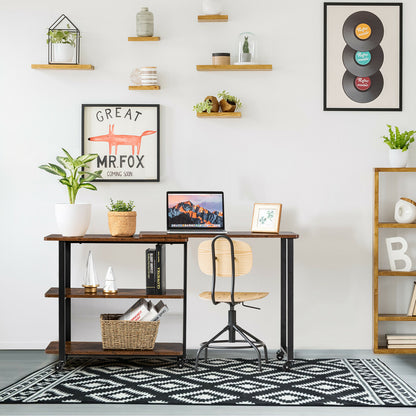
{"points": [[238, 296]]}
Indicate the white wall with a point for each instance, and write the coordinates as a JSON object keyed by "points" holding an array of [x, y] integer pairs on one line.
{"points": [[284, 149]]}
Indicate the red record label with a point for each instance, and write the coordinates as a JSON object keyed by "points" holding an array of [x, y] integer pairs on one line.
{"points": [[362, 83]]}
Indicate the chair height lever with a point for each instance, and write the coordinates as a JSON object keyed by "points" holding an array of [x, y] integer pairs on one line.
{"points": [[252, 307]]}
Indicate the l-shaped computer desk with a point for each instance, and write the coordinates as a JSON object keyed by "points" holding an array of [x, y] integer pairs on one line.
{"points": [[64, 292]]}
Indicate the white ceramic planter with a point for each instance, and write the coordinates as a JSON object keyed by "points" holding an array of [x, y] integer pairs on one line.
{"points": [[73, 219], [397, 158], [212, 6], [63, 53]]}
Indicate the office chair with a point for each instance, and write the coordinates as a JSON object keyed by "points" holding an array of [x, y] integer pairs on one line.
{"points": [[224, 257]]}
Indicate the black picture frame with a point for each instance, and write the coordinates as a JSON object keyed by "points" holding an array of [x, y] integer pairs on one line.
{"points": [[126, 139], [384, 88]]}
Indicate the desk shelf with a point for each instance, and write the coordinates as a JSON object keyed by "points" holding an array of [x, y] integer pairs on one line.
{"points": [[53, 292], [213, 18], [96, 348]]}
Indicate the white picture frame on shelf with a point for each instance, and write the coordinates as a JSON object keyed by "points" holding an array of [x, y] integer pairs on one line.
{"points": [[266, 218]]}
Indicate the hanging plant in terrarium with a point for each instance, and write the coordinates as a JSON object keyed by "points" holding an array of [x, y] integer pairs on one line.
{"points": [[246, 48]]}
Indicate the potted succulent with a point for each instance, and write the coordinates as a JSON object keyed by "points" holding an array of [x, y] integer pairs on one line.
{"points": [[245, 55], [121, 218], [399, 146], [203, 107], [229, 103], [63, 44], [73, 219]]}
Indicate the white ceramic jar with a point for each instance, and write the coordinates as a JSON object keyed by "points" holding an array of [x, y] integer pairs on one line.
{"points": [[405, 211], [212, 6], [144, 23], [73, 220]]}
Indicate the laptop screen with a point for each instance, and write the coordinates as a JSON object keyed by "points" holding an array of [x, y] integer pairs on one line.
{"points": [[195, 211]]}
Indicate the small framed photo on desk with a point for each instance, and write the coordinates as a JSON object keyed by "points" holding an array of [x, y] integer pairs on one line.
{"points": [[266, 218]]}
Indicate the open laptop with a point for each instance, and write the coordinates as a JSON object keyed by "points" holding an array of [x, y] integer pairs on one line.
{"points": [[200, 211]]}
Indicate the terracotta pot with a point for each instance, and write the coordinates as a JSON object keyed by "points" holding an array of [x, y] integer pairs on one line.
{"points": [[122, 224], [215, 105], [226, 106]]}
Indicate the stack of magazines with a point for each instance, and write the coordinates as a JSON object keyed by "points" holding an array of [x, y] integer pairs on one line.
{"points": [[144, 310]]}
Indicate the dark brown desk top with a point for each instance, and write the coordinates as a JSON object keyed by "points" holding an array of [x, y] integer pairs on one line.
{"points": [[163, 237]]}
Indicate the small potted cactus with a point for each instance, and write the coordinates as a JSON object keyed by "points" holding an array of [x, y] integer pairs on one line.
{"points": [[121, 218]]}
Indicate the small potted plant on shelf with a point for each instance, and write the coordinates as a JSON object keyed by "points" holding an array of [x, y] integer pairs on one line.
{"points": [[121, 218], [229, 103], [203, 107], [63, 43], [399, 146], [73, 219]]}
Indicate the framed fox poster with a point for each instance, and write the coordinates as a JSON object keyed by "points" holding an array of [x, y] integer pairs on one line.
{"points": [[126, 139]]}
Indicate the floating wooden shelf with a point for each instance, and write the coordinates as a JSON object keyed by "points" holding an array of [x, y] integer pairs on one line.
{"points": [[234, 67], [391, 273], [213, 18], [395, 225], [395, 317], [395, 170], [144, 39], [385, 350], [96, 348], [53, 292], [219, 115], [144, 87], [63, 66]]}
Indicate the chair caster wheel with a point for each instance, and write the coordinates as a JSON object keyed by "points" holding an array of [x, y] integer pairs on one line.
{"points": [[59, 365], [279, 355], [180, 363], [288, 365]]}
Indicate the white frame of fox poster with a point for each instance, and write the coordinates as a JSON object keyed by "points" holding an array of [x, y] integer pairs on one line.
{"points": [[132, 156], [390, 98]]}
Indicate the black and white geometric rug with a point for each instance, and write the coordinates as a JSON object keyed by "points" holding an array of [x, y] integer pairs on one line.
{"points": [[329, 382]]}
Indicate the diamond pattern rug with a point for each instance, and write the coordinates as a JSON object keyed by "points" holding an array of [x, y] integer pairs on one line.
{"points": [[323, 382]]}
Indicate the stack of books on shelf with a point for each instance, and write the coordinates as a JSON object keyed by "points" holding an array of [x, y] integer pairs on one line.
{"points": [[401, 341], [155, 270], [144, 310], [412, 305]]}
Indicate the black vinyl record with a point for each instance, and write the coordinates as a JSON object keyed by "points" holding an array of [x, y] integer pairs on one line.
{"points": [[371, 21], [356, 61], [349, 82]]}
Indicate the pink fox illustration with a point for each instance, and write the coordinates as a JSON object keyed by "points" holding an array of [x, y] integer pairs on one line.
{"points": [[121, 139]]}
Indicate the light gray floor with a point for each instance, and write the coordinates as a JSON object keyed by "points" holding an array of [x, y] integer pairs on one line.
{"points": [[17, 364]]}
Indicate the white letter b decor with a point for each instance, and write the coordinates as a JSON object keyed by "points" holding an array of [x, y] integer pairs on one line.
{"points": [[398, 254]]}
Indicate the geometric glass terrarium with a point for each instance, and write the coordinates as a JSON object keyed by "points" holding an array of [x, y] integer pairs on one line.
{"points": [[63, 42], [247, 45]]}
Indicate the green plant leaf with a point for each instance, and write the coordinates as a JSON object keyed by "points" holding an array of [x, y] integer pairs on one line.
{"points": [[86, 158], [88, 186], [54, 169], [65, 162], [68, 155], [65, 181]]}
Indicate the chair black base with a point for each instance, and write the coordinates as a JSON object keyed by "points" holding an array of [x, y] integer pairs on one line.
{"points": [[232, 328]]}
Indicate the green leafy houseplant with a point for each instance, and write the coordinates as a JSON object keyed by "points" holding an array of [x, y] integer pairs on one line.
{"points": [[62, 36], [120, 206], [203, 106], [397, 140], [73, 177], [231, 99]]}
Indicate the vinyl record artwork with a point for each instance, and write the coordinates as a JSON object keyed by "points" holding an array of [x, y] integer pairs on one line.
{"points": [[363, 56]]}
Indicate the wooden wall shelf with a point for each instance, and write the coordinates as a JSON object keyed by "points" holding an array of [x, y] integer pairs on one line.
{"points": [[234, 67], [121, 294], [396, 317], [213, 18], [391, 273], [395, 225], [144, 87], [219, 115], [385, 350], [63, 66], [144, 38]]}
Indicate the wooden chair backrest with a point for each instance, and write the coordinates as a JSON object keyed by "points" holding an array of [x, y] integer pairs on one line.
{"points": [[242, 254]]}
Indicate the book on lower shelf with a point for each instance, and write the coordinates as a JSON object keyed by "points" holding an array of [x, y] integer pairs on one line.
{"points": [[144, 311], [401, 340], [156, 270]]}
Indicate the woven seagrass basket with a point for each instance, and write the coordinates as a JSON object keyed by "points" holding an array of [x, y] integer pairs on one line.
{"points": [[127, 335], [122, 224]]}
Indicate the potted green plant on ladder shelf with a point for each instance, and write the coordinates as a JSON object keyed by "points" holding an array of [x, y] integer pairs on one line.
{"points": [[73, 219], [399, 146], [121, 218]]}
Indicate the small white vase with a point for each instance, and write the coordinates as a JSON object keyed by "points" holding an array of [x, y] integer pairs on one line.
{"points": [[63, 53], [212, 6], [397, 158], [73, 219]]}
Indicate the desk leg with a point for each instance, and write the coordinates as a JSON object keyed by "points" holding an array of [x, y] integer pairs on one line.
{"points": [[181, 360], [283, 296], [61, 317], [290, 302], [67, 286]]}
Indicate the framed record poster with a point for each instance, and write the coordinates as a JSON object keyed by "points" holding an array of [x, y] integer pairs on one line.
{"points": [[126, 139], [363, 56]]}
